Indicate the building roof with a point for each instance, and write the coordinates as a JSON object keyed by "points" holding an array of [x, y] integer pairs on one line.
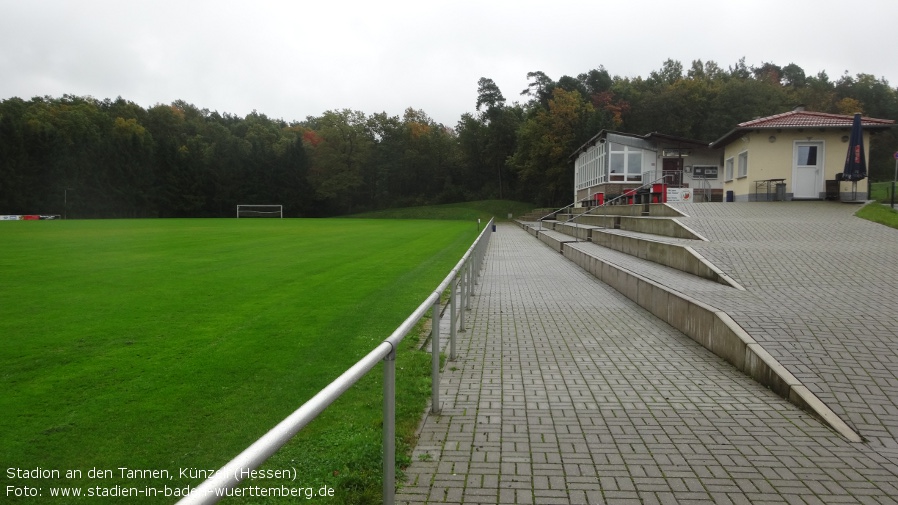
{"points": [[595, 138], [799, 118], [673, 139], [653, 137], [794, 119]]}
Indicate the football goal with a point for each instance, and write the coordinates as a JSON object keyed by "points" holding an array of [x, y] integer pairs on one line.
{"points": [[260, 211]]}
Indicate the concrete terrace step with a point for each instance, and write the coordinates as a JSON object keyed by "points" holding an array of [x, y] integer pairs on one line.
{"points": [[661, 291], [553, 239], [674, 253], [664, 226], [578, 231], [667, 251], [653, 210], [649, 236], [669, 276], [536, 214]]}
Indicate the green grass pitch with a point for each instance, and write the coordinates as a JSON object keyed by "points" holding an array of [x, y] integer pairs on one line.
{"points": [[174, 344]]}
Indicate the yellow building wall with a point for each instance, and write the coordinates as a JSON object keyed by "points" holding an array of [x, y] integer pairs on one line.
{"points": [[773, 160]]}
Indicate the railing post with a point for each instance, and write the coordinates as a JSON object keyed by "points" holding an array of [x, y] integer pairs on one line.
{"points": [[453, 330], [390, 428], [435, 359], [475, 272], [464, 292], [472, 266]]}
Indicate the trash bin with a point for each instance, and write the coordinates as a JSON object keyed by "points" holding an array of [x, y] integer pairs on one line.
{"points": [[730, 196], [780, 195], [494, 228], [659, 193], [643, 195]]}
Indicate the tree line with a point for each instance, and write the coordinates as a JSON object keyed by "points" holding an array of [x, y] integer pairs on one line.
{"points": [[108, 158]]}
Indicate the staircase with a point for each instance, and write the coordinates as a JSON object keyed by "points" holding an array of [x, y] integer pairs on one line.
{"points": [[644, 252], [649, 232]]}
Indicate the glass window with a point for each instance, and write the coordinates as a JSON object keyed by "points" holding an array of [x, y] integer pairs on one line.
{"points": [[807, 155], [634, 165], [743, 164], [625, 165], [590, 168], [729, 170], [618, 165]]}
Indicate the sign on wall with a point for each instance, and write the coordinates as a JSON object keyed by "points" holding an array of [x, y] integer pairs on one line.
{"points": [[704, 172], [679, 195]]}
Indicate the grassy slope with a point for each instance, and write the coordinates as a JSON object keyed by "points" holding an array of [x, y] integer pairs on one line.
{"points": [[175, 343], [467, 211]]}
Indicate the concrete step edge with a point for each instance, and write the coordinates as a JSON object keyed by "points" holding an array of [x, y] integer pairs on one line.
{"points": [[715, 330]]}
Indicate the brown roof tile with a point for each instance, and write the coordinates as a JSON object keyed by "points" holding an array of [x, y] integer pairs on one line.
{"points": [[810, 119], [802, 119]]}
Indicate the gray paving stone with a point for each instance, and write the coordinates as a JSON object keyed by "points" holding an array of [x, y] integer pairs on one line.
{"points": [[800, 262], [565, 384]]}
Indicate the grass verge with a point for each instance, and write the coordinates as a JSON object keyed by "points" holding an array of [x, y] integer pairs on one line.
{"points": [[879, 214]]}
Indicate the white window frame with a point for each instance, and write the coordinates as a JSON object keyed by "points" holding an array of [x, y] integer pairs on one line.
{"points": [[728, 170], [742, 166], [589, 167], [578, 172], [628, 175]]}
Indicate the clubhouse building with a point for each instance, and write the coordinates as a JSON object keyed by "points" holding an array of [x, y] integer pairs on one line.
{"points": [[791, 156]]}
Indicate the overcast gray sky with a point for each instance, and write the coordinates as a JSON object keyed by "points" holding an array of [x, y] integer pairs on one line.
{"points": [[292, 59]]}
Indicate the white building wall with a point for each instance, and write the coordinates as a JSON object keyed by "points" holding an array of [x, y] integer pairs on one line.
{"points": [[704, 159]]}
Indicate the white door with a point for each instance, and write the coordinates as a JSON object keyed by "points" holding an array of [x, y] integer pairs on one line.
{"points": [[807, 170]]}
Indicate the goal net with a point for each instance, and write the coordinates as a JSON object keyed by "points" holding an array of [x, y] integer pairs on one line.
{"points": [[260, 211]]}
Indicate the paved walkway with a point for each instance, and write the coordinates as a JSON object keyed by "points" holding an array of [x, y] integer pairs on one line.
{"points": [[821, 296], [565, 391]]}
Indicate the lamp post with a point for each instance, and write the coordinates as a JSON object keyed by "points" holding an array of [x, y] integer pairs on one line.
{"points": [[65, 203]]}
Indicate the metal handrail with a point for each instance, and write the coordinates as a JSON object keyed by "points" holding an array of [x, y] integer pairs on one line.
{"points": [[589, 212], [706, 188], [556, 211], [231, 474], [618, 197], [676, 177]]}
